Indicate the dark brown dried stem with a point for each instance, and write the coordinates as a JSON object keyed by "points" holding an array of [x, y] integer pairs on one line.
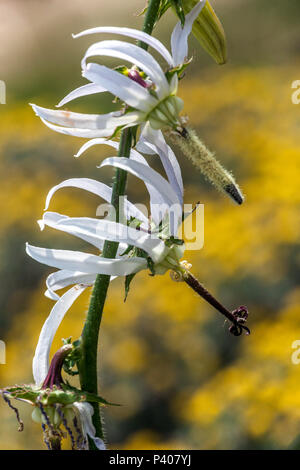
{"points": [[238, 317]]}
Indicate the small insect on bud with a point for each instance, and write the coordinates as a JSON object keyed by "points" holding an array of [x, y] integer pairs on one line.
{"points": [[208, 30]]}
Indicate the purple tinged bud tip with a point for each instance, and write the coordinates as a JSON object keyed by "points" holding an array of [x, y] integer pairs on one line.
{"points": [[54, 377]]}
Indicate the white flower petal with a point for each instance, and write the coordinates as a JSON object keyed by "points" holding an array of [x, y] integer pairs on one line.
{"points": [[89, 122], [61, 279], [135, 55], [149, 176], [155, 197], [60, 222], [85, 412], [132, 33], [126, 89], [85, 262], [99, 189], [77, 132], [179, 39], [95, 230], [84, 90], [90, 185], [40, 364], [152, 142]]}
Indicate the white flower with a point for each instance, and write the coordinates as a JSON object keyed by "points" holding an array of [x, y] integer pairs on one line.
{"points": [[56, 404], [80, 269], [166, 215], [148, 96]]}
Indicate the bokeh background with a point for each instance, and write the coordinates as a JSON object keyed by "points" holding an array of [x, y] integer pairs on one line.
{"points": [[167, 357]]}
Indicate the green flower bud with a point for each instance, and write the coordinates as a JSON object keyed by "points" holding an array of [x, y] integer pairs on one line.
{"points": [[36, 415], [208, 30]]}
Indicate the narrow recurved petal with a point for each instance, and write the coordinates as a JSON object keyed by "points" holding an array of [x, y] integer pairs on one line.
{"points": [[84, 122], [150, 176], [99, 189], [132, 33], [96, 231], [85, 90], [135, 55], [179, 38], [87, 184], [156, 200], [86, 262], [40, 364], [153, 142], [63, 278], [59, 222], [208, 30]]}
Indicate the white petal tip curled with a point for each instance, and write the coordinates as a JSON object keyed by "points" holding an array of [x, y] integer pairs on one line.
{"points": [[99, 443], [51, 295], [34, 107]]}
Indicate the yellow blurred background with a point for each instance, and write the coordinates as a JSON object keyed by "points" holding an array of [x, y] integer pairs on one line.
{"points": [[183, 381]]}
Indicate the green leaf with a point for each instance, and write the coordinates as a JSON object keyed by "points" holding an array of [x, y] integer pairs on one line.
{"points": [[174, 241], [128, 280], [177, 4], [164, 6], [72, 358], [179, 70], [150, 264], [86, 396]]}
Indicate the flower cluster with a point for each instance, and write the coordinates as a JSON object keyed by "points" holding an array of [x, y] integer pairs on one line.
{"points": [[143, 243], [148, 94]]}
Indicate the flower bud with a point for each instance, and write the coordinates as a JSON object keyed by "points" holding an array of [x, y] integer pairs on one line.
{"points": [[208, 30], [36, 415]]}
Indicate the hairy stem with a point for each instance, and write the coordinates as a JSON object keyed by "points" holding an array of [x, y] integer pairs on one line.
{"points": [[90, 333]]}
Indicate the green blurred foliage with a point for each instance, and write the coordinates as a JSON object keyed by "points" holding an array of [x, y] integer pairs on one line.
{"points": [[184, 382]]}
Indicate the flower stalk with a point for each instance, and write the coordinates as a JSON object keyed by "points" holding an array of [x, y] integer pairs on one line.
{"points": [[90, 334]]}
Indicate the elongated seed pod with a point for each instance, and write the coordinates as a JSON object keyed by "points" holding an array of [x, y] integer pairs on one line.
{"points": [[205, 161]]}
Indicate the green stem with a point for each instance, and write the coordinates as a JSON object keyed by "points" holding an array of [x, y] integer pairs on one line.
{"points": [[90, 333], [150, 20]]}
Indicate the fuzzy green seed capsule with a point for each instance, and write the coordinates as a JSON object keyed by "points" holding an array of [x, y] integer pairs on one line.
{"points": [[205, 161]]}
